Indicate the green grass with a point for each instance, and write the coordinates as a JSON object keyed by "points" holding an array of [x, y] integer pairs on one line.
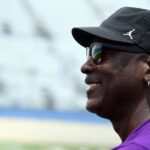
{"points": [[17, 146]]}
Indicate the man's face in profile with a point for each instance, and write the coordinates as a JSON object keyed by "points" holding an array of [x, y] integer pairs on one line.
{"points": [[113, 83]]}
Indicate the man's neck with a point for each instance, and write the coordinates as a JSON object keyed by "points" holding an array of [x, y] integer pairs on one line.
{"points": [[131, 120]]}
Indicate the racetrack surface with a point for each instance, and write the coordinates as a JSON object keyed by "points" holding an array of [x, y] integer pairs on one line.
{"points": [[23, 130]]}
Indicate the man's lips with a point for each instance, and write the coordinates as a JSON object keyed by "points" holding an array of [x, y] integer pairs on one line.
{"points": [[92, 82], [94, 85], [93, 88]]}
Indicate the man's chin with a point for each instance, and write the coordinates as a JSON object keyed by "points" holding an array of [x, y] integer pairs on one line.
{"points": [[93, 105], [97, 107]]}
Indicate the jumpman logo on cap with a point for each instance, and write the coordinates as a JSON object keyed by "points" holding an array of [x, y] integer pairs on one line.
{"points": [[130, 33]]}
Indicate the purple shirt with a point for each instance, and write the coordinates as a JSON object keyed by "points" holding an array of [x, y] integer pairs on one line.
{"points": [[138, 139]]}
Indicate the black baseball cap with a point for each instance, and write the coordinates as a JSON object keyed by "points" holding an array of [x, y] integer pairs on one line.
{"points": [[127, 29]]}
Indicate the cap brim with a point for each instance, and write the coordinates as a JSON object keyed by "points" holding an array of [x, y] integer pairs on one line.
{"points": [[85, 35]]}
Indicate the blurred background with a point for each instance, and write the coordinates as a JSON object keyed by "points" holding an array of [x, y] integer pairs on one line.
{"points": [[42, 92]]}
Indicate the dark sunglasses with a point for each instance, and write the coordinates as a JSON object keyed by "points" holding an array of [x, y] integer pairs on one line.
{"points": [[95, 51]]}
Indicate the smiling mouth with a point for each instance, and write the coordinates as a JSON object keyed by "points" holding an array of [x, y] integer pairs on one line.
{"points": [[92, 88], [94, 85]]}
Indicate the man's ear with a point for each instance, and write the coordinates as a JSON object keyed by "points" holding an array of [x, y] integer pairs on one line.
{"points": [[147, 73]]}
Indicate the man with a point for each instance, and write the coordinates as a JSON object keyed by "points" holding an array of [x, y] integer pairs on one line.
{"points": [[118, 74]]}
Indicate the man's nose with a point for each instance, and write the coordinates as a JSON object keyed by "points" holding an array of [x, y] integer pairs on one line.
{"points": [[88, 66]]}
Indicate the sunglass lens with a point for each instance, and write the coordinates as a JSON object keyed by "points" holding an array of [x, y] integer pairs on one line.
{"points": [[97, 53]]}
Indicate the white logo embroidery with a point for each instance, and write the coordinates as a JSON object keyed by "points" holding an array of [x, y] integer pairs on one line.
{"points": [[130, 33]]}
